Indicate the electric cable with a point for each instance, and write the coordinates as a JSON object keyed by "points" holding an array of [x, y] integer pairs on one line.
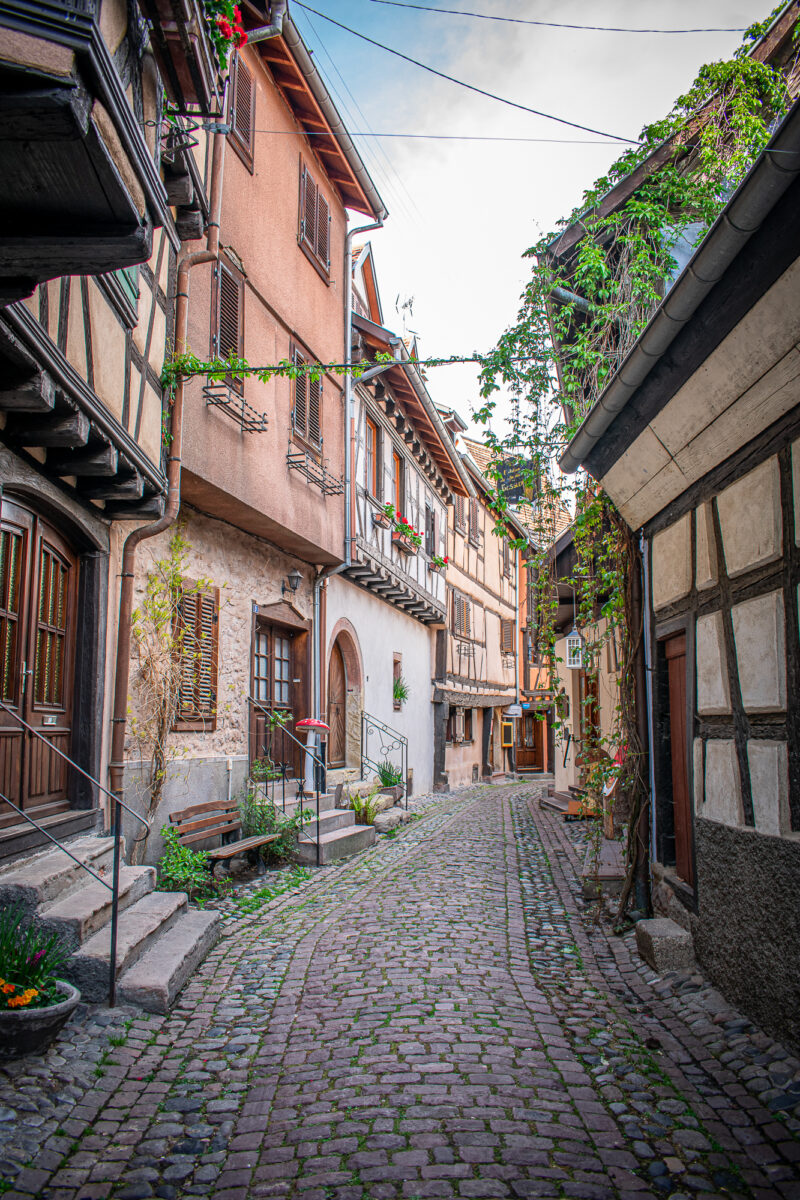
{"points": [[455, 12], [469, 86], [447, 137]]}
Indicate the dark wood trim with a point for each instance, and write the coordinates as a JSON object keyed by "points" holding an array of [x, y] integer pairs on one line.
{"points": [[120, 304], [87, 331], [762, 260], [126, 395], [791, 575], [44, 305], [63, 314], [154, 276]]}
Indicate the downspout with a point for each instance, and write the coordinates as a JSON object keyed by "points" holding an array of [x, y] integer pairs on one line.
{"points": [[122, 671], [644, 549], [349, 479], [264, 32]]}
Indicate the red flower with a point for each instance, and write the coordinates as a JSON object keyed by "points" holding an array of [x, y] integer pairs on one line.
{"points": [[446, 559], [241, 37]]}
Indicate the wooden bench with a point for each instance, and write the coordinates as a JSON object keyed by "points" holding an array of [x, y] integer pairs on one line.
{"points": [[193, 826]]}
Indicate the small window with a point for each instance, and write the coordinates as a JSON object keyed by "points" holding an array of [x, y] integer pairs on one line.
{"points": [[474, 523], [371, 456], [430, 531], [468, 735], [306, 403], [460, 513], [507, 637], [128, 280], [315, 220], [398, 482], [242, 114], [227, 331], [450, 736], [461, 616], [506, 553], [198, 625]]}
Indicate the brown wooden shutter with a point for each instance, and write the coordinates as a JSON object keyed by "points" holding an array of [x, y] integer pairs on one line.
{"points": [[242, 112], [229, 319], [198, 618], [459, 513], [507, 637], [467, 618], [315, 411], [309, 225], [323, 246], [474, 512], [300, 410]]}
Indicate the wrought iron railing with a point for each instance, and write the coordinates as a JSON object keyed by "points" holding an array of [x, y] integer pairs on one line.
{"points": [[319, 775], [377, 738], [117, 805]]}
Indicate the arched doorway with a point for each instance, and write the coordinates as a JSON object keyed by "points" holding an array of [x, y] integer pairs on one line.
{"points": [[38, 614], [337, 708]]}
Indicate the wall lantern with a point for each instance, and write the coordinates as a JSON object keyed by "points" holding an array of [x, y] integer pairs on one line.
{"points": [[574, 650], [294, 579]]}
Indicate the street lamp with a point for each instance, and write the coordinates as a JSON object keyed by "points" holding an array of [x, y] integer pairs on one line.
{"points": [[575, 641], [294, 580]]}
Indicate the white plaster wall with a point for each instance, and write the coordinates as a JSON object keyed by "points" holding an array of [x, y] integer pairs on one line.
{"points": [[384, 631], [672, 562]]}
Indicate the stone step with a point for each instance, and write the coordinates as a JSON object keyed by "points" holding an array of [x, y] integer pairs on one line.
{"points": [[138, 928], [327, 803], [337, 818], [80, 914], [51, 874], [23, 838], [339, 844], [156, 979]]}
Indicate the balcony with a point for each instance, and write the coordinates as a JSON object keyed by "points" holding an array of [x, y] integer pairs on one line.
{"points": [[185, 56], [371, 569], [80, 189]]}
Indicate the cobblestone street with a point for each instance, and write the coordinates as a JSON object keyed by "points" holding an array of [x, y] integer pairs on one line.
{"points": [[439, 1016]]}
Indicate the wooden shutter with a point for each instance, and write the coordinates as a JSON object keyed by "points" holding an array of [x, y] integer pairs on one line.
{"points": [[315, 411], [308, 228], [459, 513], [507, 637], [199, 623], [300, 409], [228, 332], [474, 513], [242, 112], [467, 618], [323, 247]]}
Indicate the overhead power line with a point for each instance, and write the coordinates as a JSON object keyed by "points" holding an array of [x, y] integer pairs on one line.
{"points": [[469, 86], [448, 137], [457, 12]]}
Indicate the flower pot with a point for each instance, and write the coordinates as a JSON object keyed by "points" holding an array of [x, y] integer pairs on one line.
{"points": [[31, 1030], [434, 568], [381, 520], [404, 543]]}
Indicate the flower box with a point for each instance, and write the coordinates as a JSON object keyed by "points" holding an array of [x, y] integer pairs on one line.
{"points": [[404, 543], [186, 58], [381, 519], [435, 568]]}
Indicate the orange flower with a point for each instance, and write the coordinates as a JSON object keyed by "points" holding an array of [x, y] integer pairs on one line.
{"points": [[9, 987]]}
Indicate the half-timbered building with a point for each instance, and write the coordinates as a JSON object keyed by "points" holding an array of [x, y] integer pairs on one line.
{"points": [[382, 610], [95, 201], [697, 441]]}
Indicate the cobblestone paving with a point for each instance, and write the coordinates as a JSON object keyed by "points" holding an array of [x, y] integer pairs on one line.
{"points": [[435, 1017]]}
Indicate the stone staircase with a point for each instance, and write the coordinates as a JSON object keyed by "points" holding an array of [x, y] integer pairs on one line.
{"points": [[340, 836], [160, 940]]}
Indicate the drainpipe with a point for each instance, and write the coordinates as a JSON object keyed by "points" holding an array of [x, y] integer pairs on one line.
{"points": [[349, 480], [277, 13], [122, 672], [644, 550]]}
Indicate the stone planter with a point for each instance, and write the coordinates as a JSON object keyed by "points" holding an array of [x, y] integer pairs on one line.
{"points": [[404, 543], [31, 1030], [381, 520]]}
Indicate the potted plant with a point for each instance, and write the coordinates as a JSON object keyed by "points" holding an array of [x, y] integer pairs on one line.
{"points": [[34, 1002], [438, 563], [384, 517], [405, 536], [400, 691]]}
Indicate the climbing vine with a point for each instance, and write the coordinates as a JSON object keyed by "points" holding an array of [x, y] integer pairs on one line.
{"points": [[587, 301]]}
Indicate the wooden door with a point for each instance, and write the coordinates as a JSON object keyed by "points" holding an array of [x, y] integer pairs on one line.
{"points": [[675, 652], [337, 711], [530, 743], [272, 689], [590, 737], [38, 596]]}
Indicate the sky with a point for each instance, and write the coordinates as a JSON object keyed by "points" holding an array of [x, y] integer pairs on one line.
{"points": [[461, 213]]}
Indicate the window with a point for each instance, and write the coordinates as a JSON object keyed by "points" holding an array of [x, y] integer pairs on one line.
{"points": [[506, 553], [371, 456], [242, 114], [398, 482], [507, 637], [315, 220], [450, 736], [272, 667], [128, 280], [198, 624], [227, 330], [468, 734], [283, 679], [460, 513], [461, 616], [474, 523], [306, 404], [430, 531]]}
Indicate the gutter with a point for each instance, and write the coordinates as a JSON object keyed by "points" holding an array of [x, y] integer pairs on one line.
{"points": [[773, 173], [296, 45]]}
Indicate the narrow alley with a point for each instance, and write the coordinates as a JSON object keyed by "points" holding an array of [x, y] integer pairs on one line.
{"points": [[439, 1016]]}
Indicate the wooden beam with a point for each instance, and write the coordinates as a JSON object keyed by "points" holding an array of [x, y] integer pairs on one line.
{"points": [[130, 487], [67, 430], [36, 394], [103, 461]]}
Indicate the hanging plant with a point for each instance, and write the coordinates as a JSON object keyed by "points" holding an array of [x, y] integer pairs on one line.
{"points": [[225, 29]]}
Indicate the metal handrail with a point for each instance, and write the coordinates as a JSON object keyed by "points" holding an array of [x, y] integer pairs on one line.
{"points": [[32, 729], [117, 834], [312, 755], [399, 741], [56, 842]]}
